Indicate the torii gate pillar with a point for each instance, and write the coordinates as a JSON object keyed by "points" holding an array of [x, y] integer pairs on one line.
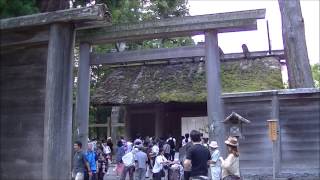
{"points": [[214, 101], [83, 96]]}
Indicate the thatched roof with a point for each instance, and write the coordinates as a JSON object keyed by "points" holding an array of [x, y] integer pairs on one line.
{"points": [[183, 82]]}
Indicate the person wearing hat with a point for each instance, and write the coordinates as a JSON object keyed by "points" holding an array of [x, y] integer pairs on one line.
{"points": [[215, 167], [230, 165]]}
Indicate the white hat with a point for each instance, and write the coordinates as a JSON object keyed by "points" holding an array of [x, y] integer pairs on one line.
{"points": [[213, 144]]}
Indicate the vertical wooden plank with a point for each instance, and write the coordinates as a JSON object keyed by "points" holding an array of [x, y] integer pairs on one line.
{"points": [[294, 42], [83, 94], [214, 100], [115, 112], [128, 122], [276, 151], [159, 124], [58, 103]]}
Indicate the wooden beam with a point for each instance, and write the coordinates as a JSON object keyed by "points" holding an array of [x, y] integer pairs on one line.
{"points": [[170, 53], [92, 13], [14, 39], [174, 27], [147, 55], [279, 54], [106, 125]]}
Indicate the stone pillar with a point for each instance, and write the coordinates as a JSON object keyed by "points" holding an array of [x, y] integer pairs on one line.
{"points": [[58, 104], [214, 100]]}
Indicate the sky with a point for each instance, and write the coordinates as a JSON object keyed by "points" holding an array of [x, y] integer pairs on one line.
{"points": [[258, 40]]}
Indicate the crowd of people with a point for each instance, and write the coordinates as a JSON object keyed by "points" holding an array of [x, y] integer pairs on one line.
{"points": [[93, 163], [152, 157]]}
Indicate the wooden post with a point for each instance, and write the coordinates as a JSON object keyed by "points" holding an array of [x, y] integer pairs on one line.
{"points": [[114, 119], [276, 151], [269, 41], [128, 119], [294, 42], [159, 124], [214, 100], [83, 94], [58, 104]]}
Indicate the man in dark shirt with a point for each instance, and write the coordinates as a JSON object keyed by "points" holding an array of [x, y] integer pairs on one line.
{"points": [[79, 162], [197, 158]]}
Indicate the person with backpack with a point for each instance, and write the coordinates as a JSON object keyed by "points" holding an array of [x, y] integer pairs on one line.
{"points": [[172, 142], [129, 164]]}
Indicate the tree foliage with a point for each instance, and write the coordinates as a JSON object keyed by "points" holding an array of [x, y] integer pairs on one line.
{"points": [[168, 8], [13, 8], [315, 68]]}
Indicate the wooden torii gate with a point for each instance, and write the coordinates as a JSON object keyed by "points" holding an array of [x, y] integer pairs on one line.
{"points": [[210, 25], [47, 41]]}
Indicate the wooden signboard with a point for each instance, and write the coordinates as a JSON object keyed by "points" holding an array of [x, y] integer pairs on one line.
{"points": [[273, 135]]}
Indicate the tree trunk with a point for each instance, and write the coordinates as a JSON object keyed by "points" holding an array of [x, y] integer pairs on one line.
{"points": [[52, 5], [294, 42]]}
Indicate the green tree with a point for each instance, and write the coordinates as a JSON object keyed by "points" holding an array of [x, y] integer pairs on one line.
{"points": [[13, 8], [168, 8], [316, 74]]}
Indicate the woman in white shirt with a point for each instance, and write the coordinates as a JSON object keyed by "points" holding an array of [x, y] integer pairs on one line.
{"points": [[158, 170], [215, 166], [230, 166]]}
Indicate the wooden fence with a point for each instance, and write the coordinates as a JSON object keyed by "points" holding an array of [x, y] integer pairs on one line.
{"points": [[298, 146]]}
